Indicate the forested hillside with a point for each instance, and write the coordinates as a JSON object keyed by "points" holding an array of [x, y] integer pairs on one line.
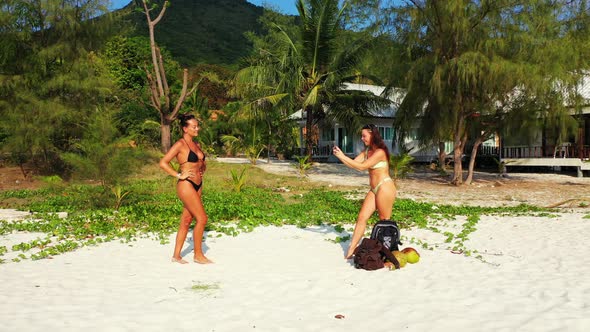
{"points": [[201, 31]]}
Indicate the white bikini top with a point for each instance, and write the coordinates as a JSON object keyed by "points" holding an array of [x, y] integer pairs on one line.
{"points": [[380, 164]]}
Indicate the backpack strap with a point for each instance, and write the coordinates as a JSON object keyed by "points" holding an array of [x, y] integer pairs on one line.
{"points": [[389, 256]]}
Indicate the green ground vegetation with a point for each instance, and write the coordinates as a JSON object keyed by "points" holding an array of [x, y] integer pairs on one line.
{"points": [[151, 209]]}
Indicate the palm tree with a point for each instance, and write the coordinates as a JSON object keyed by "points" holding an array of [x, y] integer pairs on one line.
{"points": [[309, 73]]}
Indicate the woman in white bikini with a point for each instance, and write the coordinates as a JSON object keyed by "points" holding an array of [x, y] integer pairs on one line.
{"points": [[375, 158]]}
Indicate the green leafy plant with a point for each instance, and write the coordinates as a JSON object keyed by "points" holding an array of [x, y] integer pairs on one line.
{"points": [[303, 165], [338, 228], [119, 195], [400, 165], [234, 144], [340, 239], [52, 180], [238, 180], [501, 166], [253, 152]]}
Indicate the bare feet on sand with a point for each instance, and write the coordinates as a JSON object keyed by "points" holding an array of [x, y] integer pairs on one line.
{"points": [[179, 260], [202, 260]]}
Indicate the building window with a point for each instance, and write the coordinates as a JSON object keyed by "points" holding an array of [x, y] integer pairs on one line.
{"points": [[344, 141], [386, 133], [327, 134]]}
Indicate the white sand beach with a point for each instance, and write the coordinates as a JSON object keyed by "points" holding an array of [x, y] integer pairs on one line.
{"points": [[533, 275]]}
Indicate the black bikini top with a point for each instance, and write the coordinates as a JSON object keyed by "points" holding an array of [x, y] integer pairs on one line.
{"points": [[192, 156]]}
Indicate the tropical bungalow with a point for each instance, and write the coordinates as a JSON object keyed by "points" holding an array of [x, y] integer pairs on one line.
{"points": [[336, 134], [546, 150], [511, 150]]}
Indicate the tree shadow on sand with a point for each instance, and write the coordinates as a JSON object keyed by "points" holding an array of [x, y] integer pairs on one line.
{"points": [[331, 230]]}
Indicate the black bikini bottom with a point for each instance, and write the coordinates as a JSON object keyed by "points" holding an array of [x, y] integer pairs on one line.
{"points": [[196, 186]]}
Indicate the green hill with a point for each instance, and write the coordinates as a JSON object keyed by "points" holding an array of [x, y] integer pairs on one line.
{"points": [[201, 31]]}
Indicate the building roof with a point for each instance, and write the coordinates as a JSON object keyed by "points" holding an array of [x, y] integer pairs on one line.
{"points": [[396, 96]]}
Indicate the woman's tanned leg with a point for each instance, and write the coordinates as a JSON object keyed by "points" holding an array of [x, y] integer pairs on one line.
{"points": [[185, 222], [385, 199], [365, 213], [192, 202]]}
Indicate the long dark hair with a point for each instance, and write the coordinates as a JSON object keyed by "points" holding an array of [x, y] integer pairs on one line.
{"points": [[184, 118], [376, 139]]}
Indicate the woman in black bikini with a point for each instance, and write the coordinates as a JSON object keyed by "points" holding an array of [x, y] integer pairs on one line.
{"points": [[189, 187]]}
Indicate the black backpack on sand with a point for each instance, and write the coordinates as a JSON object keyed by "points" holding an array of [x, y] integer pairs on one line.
{"points": [[387, 232]]}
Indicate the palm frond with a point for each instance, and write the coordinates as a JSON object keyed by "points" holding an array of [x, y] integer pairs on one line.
{"points": [[349, 58], [319, 31], [349, 107], [312, 96]]}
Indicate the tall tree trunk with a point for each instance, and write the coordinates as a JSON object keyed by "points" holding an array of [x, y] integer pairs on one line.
{"points": [[21, 165], [458, 137], [476, 145], [166, 141], [160, 97], [457, 167], [269, 148], [442, 155], [308, 132]]}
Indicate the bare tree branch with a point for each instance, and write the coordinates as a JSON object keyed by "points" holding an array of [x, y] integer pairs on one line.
{"points": [[183, 93], [151, 26], [164, 6], [164, 79]]}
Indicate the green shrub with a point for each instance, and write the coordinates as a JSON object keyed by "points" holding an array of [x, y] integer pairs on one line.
{"points": [[238, 180], [303, 165], [102, 154], [400, 165]]}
